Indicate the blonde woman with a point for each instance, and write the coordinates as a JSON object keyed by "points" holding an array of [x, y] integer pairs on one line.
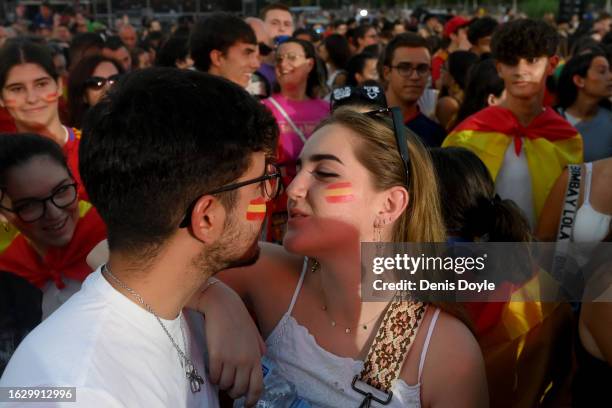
{"points": [[351, 184]]}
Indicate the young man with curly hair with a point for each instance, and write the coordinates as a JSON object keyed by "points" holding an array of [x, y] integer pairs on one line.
{"points": [[525, 145]]}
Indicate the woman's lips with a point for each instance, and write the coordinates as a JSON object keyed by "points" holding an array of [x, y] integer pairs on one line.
{"points": [[57, 227]]}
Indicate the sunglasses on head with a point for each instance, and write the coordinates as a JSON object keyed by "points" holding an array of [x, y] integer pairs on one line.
{"points": [[400, 134], [98, 83]]}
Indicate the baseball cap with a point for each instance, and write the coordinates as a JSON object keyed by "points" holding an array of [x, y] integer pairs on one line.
{"points": [[454, 24]]}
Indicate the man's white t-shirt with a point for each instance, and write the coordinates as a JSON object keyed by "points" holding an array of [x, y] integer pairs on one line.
{"points": [[514, 182], [114, 352]]}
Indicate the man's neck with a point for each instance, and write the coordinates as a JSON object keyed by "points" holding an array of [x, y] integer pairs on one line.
{"points": [[166, 283], [585, 107], [409, 110], [525, 110], [55, 131]]}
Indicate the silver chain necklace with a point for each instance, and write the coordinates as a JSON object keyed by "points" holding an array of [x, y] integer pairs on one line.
{"points": [[191, 372]]}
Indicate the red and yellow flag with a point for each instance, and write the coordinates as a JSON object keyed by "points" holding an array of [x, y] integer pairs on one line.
{"points": [[550, 144]]}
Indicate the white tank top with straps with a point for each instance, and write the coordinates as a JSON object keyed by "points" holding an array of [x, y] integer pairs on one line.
{"points": [[323, 378], [590, 225]]}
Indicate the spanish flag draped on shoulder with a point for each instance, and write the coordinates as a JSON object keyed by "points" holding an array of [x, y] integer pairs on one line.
{"points": [[550, 143], [18, 256]]}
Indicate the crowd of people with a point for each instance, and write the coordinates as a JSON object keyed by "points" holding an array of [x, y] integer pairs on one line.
{"points": [[179, 203]]}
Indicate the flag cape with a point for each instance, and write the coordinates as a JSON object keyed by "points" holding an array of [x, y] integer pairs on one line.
{"points": [[550, 144], [71, 151], [19, 257]]}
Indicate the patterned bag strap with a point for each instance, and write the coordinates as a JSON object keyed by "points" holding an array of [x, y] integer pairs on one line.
{"points": [[388, 351]]}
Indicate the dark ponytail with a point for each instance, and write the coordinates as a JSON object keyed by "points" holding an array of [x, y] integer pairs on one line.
{"points": [[470, 207]]}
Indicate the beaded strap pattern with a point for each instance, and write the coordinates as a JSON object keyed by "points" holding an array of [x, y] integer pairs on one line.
{"points": [[393, 339]]}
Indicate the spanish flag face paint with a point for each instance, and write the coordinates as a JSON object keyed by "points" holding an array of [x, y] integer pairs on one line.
{"points": [[10, 103], [256, 211], [337, 193], [51, 97]]}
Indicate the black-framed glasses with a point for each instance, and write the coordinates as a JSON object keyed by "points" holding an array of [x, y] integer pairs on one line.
{"points": [[399, 133], [98, 83], [406, 69], [34, 209], [271, 187]]}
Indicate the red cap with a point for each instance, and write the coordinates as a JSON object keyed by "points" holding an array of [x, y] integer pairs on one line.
{"points": [[454, 24]]}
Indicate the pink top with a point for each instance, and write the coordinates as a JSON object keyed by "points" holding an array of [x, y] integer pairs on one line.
{"points": [[306, 115]]}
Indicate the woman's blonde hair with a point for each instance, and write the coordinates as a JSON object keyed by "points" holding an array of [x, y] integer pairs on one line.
{"points": [[377, 151]]}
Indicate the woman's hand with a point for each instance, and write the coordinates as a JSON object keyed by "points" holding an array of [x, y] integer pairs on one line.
{"points": [[234, 344]]}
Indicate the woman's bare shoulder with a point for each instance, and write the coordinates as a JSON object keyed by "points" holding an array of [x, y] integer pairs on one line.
{"points": [[454, 372]]}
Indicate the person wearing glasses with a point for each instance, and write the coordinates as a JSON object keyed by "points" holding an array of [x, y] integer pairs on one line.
{"points": [[30, 90], [88, 81], [224, 45], [406, 70], [50, 229], [298, 109], [306, 294], [180, 203]]}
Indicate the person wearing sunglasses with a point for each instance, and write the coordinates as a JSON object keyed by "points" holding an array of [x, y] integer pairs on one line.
{"points": [[261, 81], [47, 230], [406, 70], [88, 81], [298, 109], [306, 295], [31, 90]]}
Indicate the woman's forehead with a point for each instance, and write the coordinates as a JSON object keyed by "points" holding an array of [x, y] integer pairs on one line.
{"points": [[331, 139], [36, 177], [291, 47], [25, 72]]}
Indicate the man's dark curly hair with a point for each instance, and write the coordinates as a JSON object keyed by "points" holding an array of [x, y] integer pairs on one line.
{"points": [[524, 38]]}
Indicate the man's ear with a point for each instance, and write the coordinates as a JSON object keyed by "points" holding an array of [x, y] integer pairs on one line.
{"points": [[208, 219], [215, 58], [386, 71], [552, 64], [578, 81]]}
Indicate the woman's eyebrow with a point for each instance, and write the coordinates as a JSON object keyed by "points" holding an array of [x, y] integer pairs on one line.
{"points": [[320, 157]]}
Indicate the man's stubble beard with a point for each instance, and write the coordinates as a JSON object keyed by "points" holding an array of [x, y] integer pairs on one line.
{"points": [[223, 255]]}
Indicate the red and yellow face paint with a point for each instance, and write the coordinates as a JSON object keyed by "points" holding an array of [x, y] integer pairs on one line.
{"points": [[10, 103], [256, 211], [51, 97], [337, 193]]}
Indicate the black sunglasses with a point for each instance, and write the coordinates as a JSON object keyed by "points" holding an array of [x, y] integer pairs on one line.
{"points": [[98, 83], [272, 187], [264, 49], [400, 135]]}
